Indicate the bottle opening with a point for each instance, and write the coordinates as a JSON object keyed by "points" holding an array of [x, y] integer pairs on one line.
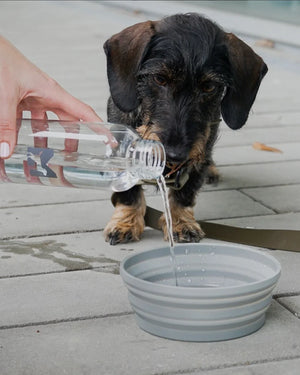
{"points": [[148, 158]]}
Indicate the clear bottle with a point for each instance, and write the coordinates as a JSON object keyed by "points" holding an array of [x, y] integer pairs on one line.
{"points": [[82, 155]]}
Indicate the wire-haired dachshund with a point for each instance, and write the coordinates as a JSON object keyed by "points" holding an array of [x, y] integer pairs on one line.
{"points": [[171, 80]]}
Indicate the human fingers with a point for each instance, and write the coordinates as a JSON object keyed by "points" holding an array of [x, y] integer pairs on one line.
{"points": [[8, 128], [39, 123], [71, 145], [71, 106]]}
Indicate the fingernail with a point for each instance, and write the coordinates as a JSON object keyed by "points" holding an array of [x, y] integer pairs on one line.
{"points": [[4, 150]]}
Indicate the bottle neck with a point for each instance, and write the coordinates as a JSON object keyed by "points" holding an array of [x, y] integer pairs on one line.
{"points": [[147, 157]]}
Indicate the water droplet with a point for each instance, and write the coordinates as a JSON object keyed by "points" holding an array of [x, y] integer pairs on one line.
{"points": [[189, 281], [212, 253], [203, 270], [186, 251]]}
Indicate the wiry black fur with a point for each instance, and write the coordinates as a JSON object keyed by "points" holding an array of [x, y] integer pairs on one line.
{"points": [[176, 85]]}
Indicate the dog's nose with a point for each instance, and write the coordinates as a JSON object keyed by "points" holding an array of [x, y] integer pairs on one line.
{"points": [[174, 156]]}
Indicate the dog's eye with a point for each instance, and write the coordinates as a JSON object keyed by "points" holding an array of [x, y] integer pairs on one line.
{"points": [[208, 87], [160, 80]]}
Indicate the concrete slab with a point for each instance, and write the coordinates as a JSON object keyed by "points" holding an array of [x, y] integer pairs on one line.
{"points": [[237, 155], [272, 119], [280, 221], [54, 218], [16, 195], [271, 104], [291, 303], [258, 175], [219, 204], [289, 282], [269, 368], [112, 346], [279, 198], [68, 252], [61, 297], [248, 135]]}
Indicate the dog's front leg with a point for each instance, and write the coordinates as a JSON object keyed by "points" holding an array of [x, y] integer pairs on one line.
{"points": [[127, 223], [185, 227]]}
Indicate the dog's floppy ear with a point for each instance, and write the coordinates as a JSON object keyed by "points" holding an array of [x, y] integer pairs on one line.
{"points": [[124, 53], [248, 69]]}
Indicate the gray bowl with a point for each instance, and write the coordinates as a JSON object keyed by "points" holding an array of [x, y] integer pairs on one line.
{"points": [[224, 290]]}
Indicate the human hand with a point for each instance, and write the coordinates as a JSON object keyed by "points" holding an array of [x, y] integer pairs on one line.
{"points": [[24, 87]]}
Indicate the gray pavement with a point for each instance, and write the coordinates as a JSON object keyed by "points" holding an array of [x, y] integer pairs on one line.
{"points": [[63, 306]]}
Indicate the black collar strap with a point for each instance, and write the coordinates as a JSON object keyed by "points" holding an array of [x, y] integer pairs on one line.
{"points": [[175, 183]]}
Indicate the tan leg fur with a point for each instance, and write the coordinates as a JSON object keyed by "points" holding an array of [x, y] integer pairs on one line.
{"points": [[127, 221], [185, 226]]}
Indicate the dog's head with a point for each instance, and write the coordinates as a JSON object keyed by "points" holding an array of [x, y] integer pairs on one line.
{"points": [[181, 73]]}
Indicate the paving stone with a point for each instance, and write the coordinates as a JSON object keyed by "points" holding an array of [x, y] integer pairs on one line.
{"points": [[270, 120], [290, 367], [248, 135], [279, 221], [271, 104], [112, 346], [248, 155], [16, 195], [61, 296], [69, 252], [219, 204], [279, 198], [292, 303], [257, 175], [289, 281], [54, 218]]}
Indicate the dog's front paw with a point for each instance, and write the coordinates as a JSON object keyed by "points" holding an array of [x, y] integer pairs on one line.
{"points": [[127, 224], [185, 227], [191, 232]]}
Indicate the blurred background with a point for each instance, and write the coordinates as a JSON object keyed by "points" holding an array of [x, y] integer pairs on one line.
{"points": [[278, 10]]}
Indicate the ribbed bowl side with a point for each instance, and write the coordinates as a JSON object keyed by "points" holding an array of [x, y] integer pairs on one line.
{"points": [[201, 313]]}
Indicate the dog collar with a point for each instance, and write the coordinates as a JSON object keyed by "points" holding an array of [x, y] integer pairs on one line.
{"points": [[175, 181]]}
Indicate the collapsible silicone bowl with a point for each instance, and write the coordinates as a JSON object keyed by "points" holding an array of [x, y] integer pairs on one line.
{"points": [[223, 291]]}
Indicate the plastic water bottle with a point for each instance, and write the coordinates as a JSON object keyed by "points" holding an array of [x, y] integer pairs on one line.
{"points": [[82, 155]]}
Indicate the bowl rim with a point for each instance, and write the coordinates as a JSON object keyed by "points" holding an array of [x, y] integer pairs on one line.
{"points": [[209, 292]]}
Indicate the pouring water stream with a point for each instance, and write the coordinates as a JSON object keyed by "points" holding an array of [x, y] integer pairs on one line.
{"points": [[163, 189]]}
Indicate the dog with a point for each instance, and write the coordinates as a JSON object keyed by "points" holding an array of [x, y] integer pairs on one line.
{"points": [[171, 80]]}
